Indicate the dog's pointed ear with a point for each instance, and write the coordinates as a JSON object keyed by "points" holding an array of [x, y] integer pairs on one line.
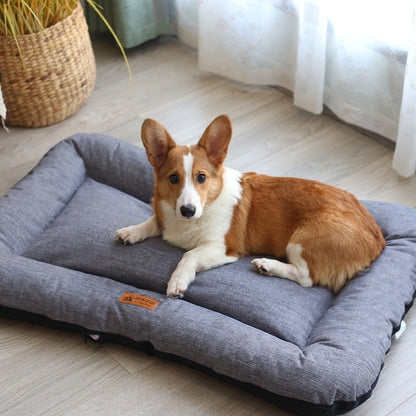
{"points": [[156, 141], [216, 139]]}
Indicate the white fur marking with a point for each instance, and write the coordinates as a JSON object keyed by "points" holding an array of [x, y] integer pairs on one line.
{"points": [[294, 252], [189, 195]]}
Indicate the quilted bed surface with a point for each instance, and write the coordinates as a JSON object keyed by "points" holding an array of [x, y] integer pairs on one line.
{"points": [[59, 258]]}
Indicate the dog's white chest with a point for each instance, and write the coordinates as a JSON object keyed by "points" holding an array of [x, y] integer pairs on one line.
{"points": [[213, 224], [184, 233]]}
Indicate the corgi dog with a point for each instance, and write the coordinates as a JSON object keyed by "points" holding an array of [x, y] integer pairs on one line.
{"points": [[219, 214]]}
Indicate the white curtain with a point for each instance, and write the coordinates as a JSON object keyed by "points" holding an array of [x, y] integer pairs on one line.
{"points": [[356, 57], [405, 155]]}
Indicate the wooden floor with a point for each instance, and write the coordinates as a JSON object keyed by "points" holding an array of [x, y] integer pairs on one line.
{"points": [[50, 372]]}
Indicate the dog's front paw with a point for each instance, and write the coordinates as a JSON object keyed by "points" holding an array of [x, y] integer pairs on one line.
{"points": [[130, 235], [180, 280], [262, 266], [176, 288]]}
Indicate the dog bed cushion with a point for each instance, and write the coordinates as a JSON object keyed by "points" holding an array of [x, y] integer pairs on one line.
{"points": [[308, 350]]}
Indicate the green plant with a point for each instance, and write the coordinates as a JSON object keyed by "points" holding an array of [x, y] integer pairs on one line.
{"points": [[22, 17]]}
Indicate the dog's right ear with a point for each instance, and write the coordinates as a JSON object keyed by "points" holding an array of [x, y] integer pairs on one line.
{"points": [[156, 141]]}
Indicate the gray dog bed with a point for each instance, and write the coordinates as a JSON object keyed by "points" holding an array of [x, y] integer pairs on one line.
{"points": [[305, 349]]}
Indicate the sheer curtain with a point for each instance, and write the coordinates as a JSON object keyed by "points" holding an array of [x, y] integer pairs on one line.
{"points": [[358, 58], [405, 155]]}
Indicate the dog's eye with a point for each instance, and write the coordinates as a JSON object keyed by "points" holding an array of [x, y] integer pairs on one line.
{"points": [[201, 178], [174, 179]]}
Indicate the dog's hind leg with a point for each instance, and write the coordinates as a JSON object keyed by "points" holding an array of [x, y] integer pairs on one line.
{"points": [[296, 270]]}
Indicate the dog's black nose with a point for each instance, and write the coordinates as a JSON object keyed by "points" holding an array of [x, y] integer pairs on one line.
{"points": [[188, 211]]}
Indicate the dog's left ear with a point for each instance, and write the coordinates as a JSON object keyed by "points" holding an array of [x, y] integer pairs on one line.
{"points": [[216, 139], [157, 142]]}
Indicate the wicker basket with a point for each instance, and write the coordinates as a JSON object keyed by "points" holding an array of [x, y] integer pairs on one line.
{"points": [[58, 74]]}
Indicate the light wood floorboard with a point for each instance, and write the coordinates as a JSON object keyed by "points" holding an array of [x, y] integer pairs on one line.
{"points": [[50, 372]]}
